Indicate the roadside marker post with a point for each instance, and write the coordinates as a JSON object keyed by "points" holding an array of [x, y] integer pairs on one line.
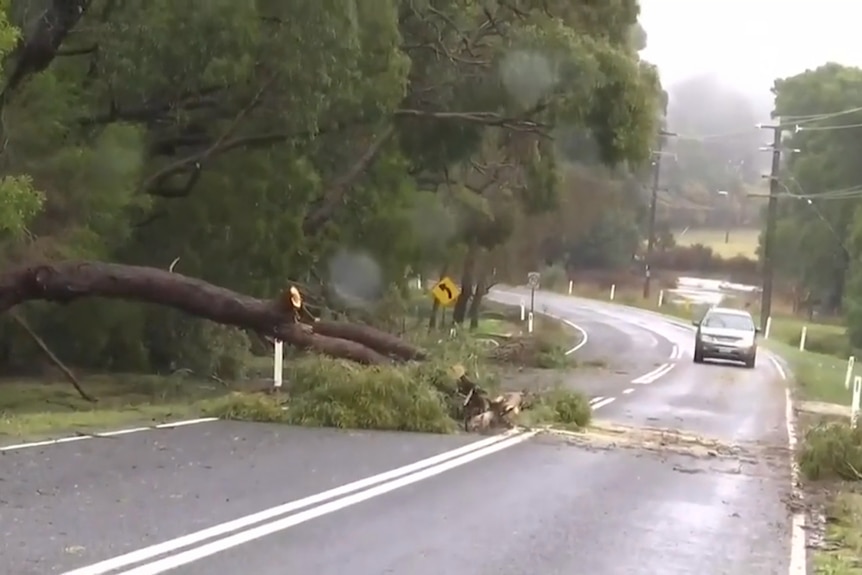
{"points": [[613, 291], [530, 323], [523, 310], [571, 286], [768, 327], [803, 337], [854, 406], [660, 298], [851, 363], [278, 364]]}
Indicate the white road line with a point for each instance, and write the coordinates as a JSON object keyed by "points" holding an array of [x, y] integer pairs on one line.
{"points": [[798, 540], [628, 391], [604, 402], [675, 354], [146, 553], [653, 375], [219, 545], [596, 400], [778, 366], [61, 440], [584, 337]]}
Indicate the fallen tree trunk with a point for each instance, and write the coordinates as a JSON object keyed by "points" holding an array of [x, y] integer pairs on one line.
{"points": [[65, 282]]}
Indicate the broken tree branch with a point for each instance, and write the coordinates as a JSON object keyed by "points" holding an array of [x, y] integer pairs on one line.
{"points": [[40, 343], [65, 282]]}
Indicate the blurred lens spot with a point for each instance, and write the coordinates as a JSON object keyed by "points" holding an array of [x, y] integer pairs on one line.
{"points": [[355, 277]]}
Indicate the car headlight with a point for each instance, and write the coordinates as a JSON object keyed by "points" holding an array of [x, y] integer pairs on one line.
{"points": [[707, 339]]}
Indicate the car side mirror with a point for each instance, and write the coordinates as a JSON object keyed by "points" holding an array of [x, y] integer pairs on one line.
{"points": [[757, 330]]}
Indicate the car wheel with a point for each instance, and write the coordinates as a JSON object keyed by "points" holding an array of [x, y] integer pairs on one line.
{"points": [[749, 363]]}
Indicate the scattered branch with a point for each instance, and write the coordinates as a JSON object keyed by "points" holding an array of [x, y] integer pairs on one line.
{"points": [[40, 343]]}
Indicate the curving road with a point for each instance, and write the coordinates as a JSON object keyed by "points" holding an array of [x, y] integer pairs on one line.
{"points": [[237, 498]]}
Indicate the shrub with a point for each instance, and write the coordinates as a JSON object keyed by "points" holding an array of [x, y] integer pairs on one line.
{"points": [[333, 393], [561, 407], [832, 451], [554, 277]]}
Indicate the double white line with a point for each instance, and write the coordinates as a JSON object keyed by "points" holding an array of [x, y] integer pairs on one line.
{"points": [[658, 372], [167, 555]]}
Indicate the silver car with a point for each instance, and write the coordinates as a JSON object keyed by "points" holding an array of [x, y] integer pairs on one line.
{"points": [[726, 333]]}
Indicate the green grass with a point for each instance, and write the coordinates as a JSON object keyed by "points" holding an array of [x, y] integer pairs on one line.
{"points": [[843, 553], [818, 377], [742, 241], [496, 326], [38, 409], [821, 338]]}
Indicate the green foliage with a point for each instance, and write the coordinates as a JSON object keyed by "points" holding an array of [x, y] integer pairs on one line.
{"points": [[832, 451], [812, 235], [256, 141], [20, 203], [561, 408], [554, 277], [334, 393]]}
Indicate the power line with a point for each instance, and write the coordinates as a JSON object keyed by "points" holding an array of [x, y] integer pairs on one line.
{"points": [[816, 209], [801, 120], [828, 128]]}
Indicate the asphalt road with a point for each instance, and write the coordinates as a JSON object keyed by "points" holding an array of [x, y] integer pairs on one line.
{"points": [[517, 505]]}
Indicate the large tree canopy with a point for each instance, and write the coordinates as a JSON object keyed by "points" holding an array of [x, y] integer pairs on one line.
{"points": [[815, 225], [262, 142]]}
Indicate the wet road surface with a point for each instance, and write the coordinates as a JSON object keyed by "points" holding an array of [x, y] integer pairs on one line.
{"points": [[518, 505]]}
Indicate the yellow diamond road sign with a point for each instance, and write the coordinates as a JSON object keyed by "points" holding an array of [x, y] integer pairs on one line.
{"points": [[445, 291]]}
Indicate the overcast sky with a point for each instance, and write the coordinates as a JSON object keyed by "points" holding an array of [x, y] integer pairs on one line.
{"points": [[746, 44]]}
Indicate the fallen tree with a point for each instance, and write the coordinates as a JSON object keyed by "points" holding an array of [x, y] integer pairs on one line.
{"points": [[65, 282], [283, 317]]}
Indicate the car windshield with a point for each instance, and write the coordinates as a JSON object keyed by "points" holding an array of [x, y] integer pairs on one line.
{"points": [[729, 321]]}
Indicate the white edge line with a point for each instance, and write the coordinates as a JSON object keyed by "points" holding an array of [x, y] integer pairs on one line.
{"points": [[114, 433], [596, 399], [798, 538], [219, 545], [628, 391], [146, 553], [584, 336]]}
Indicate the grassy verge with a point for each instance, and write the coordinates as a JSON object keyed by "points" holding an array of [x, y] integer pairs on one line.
{"points": [[40, 409], [817, 377], [842, 553], [829, 456], [318, 391]]}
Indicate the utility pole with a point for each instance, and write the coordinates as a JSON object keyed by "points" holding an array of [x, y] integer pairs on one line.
{"points": [[769, 236], [657, 153]]}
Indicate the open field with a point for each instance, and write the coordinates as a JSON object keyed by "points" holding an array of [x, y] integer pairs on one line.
{"points": [[742, 241]]}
